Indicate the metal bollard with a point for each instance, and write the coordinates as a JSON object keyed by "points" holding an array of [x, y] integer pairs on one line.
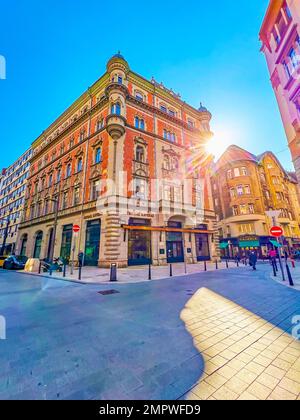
{"points": [[149, 273], [274, 269], [217, 267], [171, 270], [205, 266], [79, 272], [64, 270], [40, 267], [289, 275], [227, 265], [113, 272]]}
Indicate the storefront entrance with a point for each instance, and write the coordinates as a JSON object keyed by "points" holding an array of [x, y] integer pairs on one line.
{"points": [[202, 247], [66, 242], [92, 243], [139, 243], [175, 244]]}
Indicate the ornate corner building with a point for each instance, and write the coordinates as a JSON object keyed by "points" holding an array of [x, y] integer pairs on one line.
{"points": [[280, 37], [126, 162], [12, 199], [245, 187]]}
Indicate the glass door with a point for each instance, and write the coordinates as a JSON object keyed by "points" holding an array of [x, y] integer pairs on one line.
{"points": [[92, 243]]}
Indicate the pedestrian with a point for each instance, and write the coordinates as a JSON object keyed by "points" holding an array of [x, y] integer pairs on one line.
{"points": [[253, 260], [80, 259]]}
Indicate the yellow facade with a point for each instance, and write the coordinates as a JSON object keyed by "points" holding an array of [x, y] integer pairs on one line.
{"points": [[245, 187]]}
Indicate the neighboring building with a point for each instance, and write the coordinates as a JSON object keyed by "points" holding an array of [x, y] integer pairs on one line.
{"points": [[124, 126], [245, 186], [280, 36], [12, 199]]}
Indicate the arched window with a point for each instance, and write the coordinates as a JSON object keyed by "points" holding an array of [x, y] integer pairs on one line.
{"points": [[38, 245], [137, 122], [79, 165], [58, 178], [142, 124], [68, 171], [116, 109], [98, 155], [50, 180], [139, 96], [140, 154]]}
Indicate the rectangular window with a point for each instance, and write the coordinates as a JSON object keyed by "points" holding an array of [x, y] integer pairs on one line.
{"points": [[240, 190], [236, 172], [243, 209]]}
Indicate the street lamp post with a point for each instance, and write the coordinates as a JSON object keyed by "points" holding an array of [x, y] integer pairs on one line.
{"points": [[5, 236], [56, 204], [273, 215]]}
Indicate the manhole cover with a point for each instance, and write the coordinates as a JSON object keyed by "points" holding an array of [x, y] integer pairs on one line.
{"points": [[108, 292]]}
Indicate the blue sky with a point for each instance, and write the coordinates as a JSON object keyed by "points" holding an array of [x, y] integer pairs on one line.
{"points": [[210, 53]]}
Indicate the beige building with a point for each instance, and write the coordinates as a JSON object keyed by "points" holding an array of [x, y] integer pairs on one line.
{"points": [[245, 187]]}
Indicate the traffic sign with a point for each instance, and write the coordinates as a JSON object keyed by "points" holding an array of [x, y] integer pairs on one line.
{"points": [[276, 231], [76, 228]]}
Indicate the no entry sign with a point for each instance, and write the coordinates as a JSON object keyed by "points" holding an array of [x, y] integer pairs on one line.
{"points": [[76, 228], [276, 231]]}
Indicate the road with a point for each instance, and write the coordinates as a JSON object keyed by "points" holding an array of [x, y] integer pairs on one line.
{"points": [[67, 341]]}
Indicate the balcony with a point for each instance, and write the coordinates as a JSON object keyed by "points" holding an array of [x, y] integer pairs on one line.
{"points": [[115, 126]]}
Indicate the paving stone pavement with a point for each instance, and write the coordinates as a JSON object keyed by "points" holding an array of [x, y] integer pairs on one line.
{"points": [[222, 335]]}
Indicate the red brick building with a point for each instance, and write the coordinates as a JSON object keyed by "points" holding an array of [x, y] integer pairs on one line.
{"points": [[127, 163]]}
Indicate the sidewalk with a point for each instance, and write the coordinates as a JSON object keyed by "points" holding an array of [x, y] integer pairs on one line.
{"points": [[295, 272], [95, 275]]}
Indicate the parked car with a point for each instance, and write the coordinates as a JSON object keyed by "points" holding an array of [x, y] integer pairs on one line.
{"points": [[15, 263], [2, 259]]}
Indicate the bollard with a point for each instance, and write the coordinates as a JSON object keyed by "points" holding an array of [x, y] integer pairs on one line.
{"points": [[64, 270], [274, 269], [289, 275], [40, 267], [149, 273], [171, 270], [217, 267], [227, 266], [205, 266], [113, 272]]}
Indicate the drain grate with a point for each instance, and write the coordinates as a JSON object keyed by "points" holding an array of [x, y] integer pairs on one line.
{"points": [[108, 292]]}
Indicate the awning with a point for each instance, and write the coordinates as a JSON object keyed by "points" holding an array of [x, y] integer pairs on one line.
{"points": [[224, 245], [249, 244], [276, 244]]}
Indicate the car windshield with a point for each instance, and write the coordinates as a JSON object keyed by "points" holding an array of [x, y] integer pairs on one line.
{"points": [[21, 259]]}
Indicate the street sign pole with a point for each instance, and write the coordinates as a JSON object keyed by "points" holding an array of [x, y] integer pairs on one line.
{"points": [[276, 232], [76, 230]]}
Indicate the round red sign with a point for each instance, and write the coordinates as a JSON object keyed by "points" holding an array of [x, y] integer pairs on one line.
{"points": [[76, 228], [276, 231]]}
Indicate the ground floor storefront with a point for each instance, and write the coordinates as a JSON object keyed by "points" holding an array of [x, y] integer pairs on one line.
{"points": [[127, 240], [243, 245]]}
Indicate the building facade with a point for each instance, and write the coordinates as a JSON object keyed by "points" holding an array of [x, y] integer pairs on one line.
{"points": [[12, 200], [280, 36], [245, 187], [126, 163]]}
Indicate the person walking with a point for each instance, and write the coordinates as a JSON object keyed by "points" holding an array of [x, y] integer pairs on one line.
{"points": [[253, 260], [80, 259]]}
